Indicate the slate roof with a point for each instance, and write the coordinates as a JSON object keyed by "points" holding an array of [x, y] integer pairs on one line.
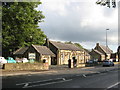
{"points": [[63, 46], [43, 50], [20, 50], [106, 50], [98, 52], [40, 49]]}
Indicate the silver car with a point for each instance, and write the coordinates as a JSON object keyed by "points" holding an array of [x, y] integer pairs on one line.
{"points": [[107, 63]]}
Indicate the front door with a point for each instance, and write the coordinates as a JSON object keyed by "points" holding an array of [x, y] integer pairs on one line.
{"points": [[53, 61]]}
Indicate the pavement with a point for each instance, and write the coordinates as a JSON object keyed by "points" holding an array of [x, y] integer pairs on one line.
{"points": [[54, 69]]}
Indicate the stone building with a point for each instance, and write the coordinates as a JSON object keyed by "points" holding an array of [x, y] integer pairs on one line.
{"points": [[87, 55], [101, 52], [64, 52], [95, 54], [36, 52]]}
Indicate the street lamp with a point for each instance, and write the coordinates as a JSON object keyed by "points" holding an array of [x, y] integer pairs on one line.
{"points": [[106, 42]]}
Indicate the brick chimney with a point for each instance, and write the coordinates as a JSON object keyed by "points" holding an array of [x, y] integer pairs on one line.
{"points": [[97, 44], [47, 42]]}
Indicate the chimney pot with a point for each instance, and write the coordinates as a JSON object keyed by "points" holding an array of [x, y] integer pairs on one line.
{"points": [[97, 44]]}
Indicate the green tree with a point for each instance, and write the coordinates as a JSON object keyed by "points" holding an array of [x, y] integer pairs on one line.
{"points": [[20, 26], [107, 2], [69, 42], [77, 44]]}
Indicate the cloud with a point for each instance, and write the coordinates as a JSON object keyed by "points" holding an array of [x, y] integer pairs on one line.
{"points": [[78, 21]]}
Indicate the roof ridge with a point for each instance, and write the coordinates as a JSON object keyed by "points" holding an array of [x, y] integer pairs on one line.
{"points": [[17, 50], [65, 46], [107, 50], [52, 42], [42, 47], [103, 48], [97, 51], [35, 48]]}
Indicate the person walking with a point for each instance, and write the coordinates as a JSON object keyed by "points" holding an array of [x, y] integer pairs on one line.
{"points": [[74, 62]]}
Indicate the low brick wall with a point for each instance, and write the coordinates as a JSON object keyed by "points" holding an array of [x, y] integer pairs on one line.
{"points": [[26, 66]]}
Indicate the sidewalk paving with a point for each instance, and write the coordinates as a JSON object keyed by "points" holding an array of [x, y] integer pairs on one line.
{"points": [[60, 70]]}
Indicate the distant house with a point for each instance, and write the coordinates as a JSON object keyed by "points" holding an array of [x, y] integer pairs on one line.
{"points": [[36, 52], [64, 52], [95, 54], [101, 52], [87, 55], [114, 56]]}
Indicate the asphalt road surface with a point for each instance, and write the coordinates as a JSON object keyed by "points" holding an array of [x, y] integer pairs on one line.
{"points": [[105, 80]]}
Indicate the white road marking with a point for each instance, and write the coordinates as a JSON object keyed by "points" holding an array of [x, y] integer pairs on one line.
{"points": [[84, 75], [47, 83], [29, 75], [64, 79], [98, 72], [38, 81], [113, 85], [26, 84]]}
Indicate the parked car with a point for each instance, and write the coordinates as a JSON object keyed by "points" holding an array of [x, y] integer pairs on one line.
{"points": [[90, 61], [107, 63], [10, 60], [18, 60], [3, 60], [25, 60], [22, 60]]}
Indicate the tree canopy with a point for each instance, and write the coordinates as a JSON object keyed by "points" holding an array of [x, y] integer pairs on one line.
{"points": [[20, 26], [107, 2], [77, 44], [80, 46]]}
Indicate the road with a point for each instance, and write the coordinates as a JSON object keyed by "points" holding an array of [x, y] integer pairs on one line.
{"points": [[104, 80]]}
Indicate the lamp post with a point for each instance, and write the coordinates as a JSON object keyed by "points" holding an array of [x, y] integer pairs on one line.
{"points": [[106, 42]]}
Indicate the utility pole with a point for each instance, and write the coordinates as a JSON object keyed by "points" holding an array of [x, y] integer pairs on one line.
{"points": [[106, 43]]}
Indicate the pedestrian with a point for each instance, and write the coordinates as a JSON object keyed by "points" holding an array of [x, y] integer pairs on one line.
{"points": [[69, 63], [74, 62]]}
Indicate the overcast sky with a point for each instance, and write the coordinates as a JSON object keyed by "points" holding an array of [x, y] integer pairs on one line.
{"points": [[80, 21]]}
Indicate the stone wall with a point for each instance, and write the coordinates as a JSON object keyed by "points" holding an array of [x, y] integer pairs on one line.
{"points": [[46, 57], [65, 55], [95, 55], [26, 66]]}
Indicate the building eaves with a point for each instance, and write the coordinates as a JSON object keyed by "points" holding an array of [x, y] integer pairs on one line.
{"points": [[98, 52], [63, 46], [43, 50], [106, 49], [20, 50]]}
